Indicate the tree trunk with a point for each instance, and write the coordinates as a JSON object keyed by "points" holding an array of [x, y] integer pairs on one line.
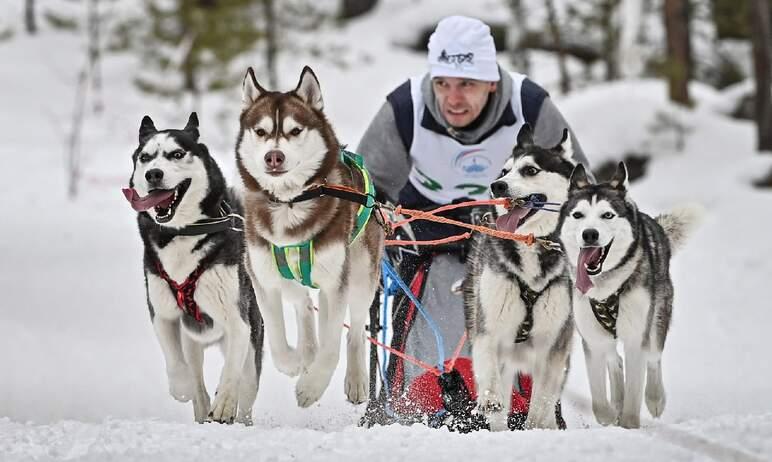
{"points": [[29, 16], [95, 53], [628, 51], [762, 53], [610, 38], [515, 34], [565, 79], [271, 47], [74, 139], [678, 65]]}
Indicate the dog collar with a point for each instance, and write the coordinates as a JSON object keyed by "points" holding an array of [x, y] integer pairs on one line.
{"points": [[227, 220], [304, 252]]}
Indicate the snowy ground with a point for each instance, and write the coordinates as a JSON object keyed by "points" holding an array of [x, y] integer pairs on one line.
{"points": [[82, 376]]}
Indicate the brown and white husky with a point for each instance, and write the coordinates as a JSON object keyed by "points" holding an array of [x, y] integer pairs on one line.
{"points": [[286, 146]]}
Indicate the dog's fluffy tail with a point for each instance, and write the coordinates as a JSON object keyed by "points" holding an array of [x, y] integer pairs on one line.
{"points": [[680, 223]]}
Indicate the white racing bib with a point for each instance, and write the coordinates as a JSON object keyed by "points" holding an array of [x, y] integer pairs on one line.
{"points": [[444, 169]]}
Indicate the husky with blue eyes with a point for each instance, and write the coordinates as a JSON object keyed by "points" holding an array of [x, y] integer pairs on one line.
{"points": [[199, 292], [517, 297], [619, 261]]}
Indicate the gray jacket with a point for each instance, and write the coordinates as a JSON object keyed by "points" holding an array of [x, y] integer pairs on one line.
{"points": [[387, 156]]}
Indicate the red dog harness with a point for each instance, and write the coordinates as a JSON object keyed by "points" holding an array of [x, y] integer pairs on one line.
{"points": [[184, 292]]}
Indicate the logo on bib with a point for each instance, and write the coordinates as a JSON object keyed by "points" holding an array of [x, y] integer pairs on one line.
{"points": [[472, 163]]}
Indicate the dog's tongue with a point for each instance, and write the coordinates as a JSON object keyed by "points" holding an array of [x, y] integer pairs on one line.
{"points": [[140, 204], [587, 256], [509, 221]]}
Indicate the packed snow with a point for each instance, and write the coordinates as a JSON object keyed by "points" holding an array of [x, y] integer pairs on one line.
{"points": [[82, 373]]}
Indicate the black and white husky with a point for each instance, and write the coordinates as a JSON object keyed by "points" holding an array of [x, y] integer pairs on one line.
{"points": [[517, 298], [620, 264], [198, 289]]}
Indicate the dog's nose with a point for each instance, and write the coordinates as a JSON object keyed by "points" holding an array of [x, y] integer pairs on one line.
{"points": [[499, 188], [154, 176], [590, 236], [274, 159]]}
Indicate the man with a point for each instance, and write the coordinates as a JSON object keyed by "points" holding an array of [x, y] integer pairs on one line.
{"points": [[443, 137]]}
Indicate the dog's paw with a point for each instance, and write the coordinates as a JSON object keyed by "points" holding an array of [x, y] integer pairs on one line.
{"points": [[181, 385], [547, 423], [630, 421], [288, 363], [356, 385], [655, 401], [201, 408], [605, 414], [226, 403], [310, 387], [245, 418], [489, 402], [489, 405]]}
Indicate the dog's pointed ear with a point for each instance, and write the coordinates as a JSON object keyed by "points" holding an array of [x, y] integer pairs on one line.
{"points": [[192, 126], [525, 137], [146, 129], [309, 90], [565, 147], [578, 178], [250, 89], [619, 180]]}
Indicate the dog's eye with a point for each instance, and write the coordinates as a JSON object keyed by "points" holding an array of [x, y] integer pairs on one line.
{"points": [[144, 158], [577, 215], [260, 132], [296, 131], [178, 154], [530, 171], [607, 216]]}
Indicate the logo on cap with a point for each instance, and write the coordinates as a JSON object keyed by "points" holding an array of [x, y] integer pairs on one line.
{"points": [[458, 59]]}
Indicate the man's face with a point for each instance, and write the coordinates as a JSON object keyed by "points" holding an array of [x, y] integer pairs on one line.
{"points": [[461, 100]]}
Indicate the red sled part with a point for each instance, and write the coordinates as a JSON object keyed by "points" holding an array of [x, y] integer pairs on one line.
{"points": [[424, 394]]}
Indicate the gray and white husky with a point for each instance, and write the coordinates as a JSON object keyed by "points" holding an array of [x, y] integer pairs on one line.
{"points": [[517, 298], [286, 146], [620, 265], [198, 288]]}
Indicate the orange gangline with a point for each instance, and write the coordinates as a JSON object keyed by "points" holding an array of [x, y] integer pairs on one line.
{"points": [[504, 202], [446, 240], [528, 238]]}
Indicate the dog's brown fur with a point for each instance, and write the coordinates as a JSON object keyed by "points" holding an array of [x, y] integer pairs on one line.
{"points": [[330, 221]]}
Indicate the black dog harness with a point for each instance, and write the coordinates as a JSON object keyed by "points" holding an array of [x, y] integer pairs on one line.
{"points": [[529, 297], [606, 311]]}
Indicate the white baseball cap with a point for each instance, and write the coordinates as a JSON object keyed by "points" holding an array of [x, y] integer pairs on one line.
{"points": [[463, 47]]}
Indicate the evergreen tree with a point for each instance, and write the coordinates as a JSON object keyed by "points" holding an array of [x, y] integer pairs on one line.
{"points": [[189, 46]]}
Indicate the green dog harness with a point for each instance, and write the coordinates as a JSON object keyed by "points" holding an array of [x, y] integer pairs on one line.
{"points": [[303, 253]]}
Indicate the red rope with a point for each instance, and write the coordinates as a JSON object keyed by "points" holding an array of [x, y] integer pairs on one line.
{"points": [[449, 367], [402, 355]]}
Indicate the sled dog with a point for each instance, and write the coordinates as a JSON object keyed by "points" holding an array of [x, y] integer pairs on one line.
{"points": [[198, 289], [517, 298], [286, 148], [619, 259]]}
